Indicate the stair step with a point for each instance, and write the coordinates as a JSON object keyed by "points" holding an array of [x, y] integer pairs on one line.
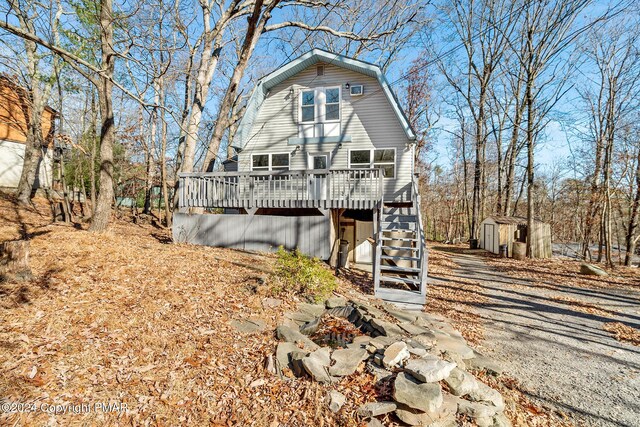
{"points": [[401, 248], [403, 280], [409, 226], [400, 239], [396, 258], [399, 218], [405, 298], [398, 211], [399, 269]]}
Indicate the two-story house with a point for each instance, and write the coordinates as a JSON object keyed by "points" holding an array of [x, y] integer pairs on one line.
{"points": [[325, 154]]}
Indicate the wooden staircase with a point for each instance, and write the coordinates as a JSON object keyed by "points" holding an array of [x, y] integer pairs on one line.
{"points": [[400, 267]]}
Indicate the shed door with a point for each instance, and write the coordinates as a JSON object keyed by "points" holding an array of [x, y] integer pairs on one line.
{"points": [[489, 237]]}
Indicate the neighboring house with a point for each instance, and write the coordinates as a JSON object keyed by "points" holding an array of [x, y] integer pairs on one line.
{"points": [[325, 153], [496, 231], [14, 110]]}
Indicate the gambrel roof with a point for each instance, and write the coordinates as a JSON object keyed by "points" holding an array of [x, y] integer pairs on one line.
{"points": [[300, 64]]}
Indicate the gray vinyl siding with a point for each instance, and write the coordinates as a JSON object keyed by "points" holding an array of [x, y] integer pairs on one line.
{"points": [[369, 120]]}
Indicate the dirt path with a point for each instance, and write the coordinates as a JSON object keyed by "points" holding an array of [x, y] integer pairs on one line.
{"points": [[562, 357]]}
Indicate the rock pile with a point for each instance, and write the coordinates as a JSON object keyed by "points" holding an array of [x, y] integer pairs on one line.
{"points": [[424, 357]]}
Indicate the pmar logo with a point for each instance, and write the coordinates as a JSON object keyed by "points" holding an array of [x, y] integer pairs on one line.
{"points": [[110, 406]]}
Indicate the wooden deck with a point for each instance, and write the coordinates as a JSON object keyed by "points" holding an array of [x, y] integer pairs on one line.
{"points": [[325, 189]]}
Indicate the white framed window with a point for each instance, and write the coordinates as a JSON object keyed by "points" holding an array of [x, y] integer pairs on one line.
{"points": [[356, 90], [359, 159], [384, 158], [308, 106], [270, 162], [331, 104], [319, 112]]}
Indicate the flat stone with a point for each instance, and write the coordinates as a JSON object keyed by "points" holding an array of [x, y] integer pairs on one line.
{"points": [[592, 270], [288, 334], [482, 363], [271, 302], [387, 329], [374, 409], [361, 341], [344, 312], [315, 310], [412, 329], [335, 301], [416, 351], [373, 311], [381, 342], [443, 416], [454, 358], [311, 327], [423, 396], [299, 317], [403, 315], [378, 372], [347, 361], [316, 364], [283, 352], [429, 369], [484, 393], [336, 401], [476, 409], [460, 382], [395, 354], [428, 339], [249, 326], [456, 345]]}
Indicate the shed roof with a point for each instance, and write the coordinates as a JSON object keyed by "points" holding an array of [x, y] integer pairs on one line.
{"points": [[300, 64], [516, 220]]}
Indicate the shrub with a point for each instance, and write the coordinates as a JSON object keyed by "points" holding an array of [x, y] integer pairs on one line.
{"points": [[303, 275]]}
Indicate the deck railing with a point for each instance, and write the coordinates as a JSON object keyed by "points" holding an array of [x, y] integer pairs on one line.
{"points": [[318, 188]]}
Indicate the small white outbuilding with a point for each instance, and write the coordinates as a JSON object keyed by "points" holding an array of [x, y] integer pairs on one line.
{"points": [[496, 231]]}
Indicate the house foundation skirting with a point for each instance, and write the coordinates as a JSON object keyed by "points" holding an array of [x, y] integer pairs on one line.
{"points": [[310, 234]]}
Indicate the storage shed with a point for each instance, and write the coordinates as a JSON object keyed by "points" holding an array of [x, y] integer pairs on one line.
{"points": [[505, 230]]}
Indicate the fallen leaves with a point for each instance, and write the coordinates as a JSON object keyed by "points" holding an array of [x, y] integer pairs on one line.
{"points": [[623, 332]]}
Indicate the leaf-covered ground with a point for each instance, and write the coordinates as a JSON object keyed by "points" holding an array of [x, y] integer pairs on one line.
{"points": [[127, 316]]}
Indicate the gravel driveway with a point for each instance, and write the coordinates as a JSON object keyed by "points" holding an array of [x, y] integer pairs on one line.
{"points": [[562, 357]]}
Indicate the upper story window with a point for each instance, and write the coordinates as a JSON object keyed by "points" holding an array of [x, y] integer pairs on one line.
{"points": [[332, 104], [384, 158], [356, 90], [308, 106], [270, 162], [319, 113]]}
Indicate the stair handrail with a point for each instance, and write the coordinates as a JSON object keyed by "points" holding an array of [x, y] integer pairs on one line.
{"points": [[422, 251]]}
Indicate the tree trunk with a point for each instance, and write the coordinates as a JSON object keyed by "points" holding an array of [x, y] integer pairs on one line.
{"points": [[102, 213], [255, 25], [14, 260], [530, 164], [163, 155], [630, 238]]}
